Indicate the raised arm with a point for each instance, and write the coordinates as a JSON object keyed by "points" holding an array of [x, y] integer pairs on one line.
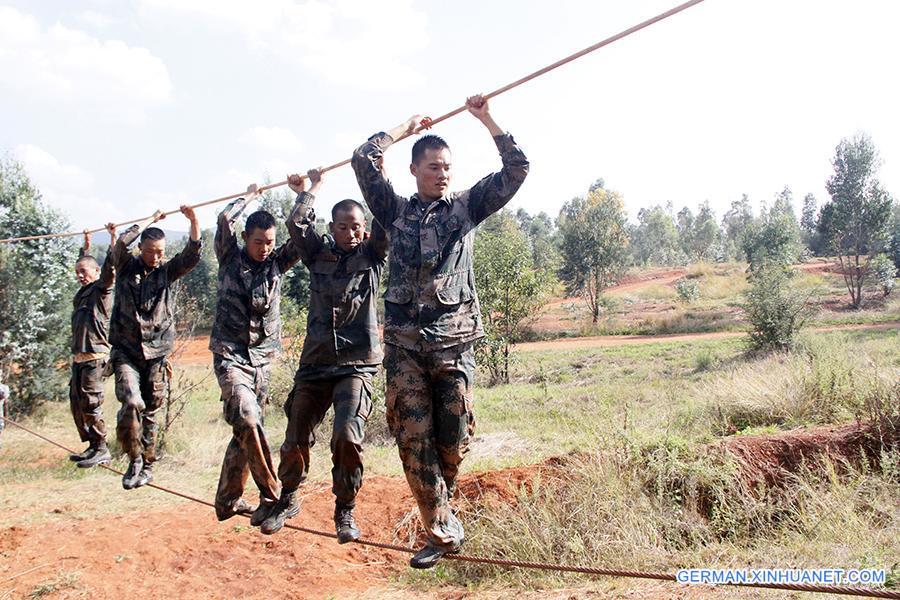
{"points": [[368, 161], [494, 191], [107, 270], [305, 242], [183, 262], [226, 241], [86, 245], [378, 241], [119, 250]]}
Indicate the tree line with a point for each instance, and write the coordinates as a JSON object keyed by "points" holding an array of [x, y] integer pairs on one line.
{"points": [[522, 259]]}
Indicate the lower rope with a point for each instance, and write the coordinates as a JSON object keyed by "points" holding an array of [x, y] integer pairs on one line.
{"points": [[798, 587]]}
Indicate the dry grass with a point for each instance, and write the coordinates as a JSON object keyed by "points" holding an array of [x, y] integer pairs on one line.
{"points": [[827, 381]]}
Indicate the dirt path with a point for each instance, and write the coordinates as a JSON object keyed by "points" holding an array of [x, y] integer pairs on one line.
{"points": [[195, 352], [624, 340], [182, 551]]}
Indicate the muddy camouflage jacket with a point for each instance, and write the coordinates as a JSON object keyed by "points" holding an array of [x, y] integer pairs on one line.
{"points": [[92, 306], [342, 324], [143, 317], [248, 317], [431, 301]]}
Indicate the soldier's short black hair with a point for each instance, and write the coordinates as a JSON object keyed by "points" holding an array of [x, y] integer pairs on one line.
{"points": [[346, 206], [153, 234], [88, 259], [425, 142], [261, 219]]}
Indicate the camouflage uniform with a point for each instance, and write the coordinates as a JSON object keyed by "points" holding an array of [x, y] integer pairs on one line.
{"points": [[142, 334], [90, 349], [432, 318], [246, 336], [341, 353]]}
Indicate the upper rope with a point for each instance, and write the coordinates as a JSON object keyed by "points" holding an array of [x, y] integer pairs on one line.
{"points": [[452, 113]]}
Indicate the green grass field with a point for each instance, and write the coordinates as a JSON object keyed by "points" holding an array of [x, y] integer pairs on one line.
{"points": [[638, 417], [643, 491], [655, 308]]}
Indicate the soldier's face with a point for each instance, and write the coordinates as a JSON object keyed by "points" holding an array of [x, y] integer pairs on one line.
{"points": [[86, 272], [348, 229], [152, 252], [432, 173], [259, 242]]}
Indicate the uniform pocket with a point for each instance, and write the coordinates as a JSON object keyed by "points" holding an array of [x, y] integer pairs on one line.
{"points": [[364, 407], [453, 289]]}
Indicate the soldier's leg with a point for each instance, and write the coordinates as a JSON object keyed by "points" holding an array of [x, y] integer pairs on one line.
{"points": [[89, 396], [91, 402], [128, 392], [75, 402], [242, 411], [352, 401], [305, 408], [154, 389], [259, 457], [408, 405], [235, 471], [454, 419]]}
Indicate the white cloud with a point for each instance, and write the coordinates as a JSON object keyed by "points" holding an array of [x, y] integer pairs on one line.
{"points": [[350, 42], [69, 67], [275, 140], [95, 19], [66, 187], [45, 168]]}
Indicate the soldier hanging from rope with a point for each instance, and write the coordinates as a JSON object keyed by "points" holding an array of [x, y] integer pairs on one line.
{"points": [[340, 356], [142, 334], [92, 306], [432, 315], [245, 338]]}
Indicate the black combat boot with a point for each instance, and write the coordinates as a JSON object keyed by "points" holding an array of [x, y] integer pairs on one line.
{"points": [[95, 456], [80, 456], [145, 476], [287, 507], [240, 507], [345, 525], [131, 475], [262, 512], [429, 556]]}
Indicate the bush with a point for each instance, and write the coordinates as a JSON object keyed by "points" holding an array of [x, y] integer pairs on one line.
{"points": [[883, 272], [775, 309], [688, 290], [36, 289]]}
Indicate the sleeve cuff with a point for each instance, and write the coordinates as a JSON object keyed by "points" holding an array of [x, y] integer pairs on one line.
{"points": [[382, 139], [504, 142]]}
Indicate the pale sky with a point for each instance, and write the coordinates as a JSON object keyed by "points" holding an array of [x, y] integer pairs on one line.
{"points": [[119, 108]]}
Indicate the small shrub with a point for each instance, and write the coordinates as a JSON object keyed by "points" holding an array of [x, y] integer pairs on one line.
{"points": [[775, 309], [883, 272], [705, 360], [688, 290]]}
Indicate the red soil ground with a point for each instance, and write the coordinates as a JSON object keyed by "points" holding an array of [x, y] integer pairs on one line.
{"points": [[182, 551]]}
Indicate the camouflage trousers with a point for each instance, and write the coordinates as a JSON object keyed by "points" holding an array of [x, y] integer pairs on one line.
{"points": [[245, 392], [351, 397], [429, 412], [86, 401], [141, 388]]}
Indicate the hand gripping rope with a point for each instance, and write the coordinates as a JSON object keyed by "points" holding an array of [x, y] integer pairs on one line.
{"points": [[435, 121], [825, 589]]}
